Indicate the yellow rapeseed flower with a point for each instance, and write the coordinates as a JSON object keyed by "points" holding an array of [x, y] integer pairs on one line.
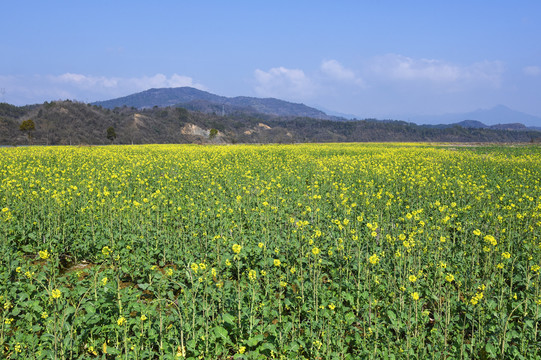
{"points": [[252, 275], [490, 239], [415, 296], [315, 250], [374, 259], [475, 299], [106, 250], [56, 293], [237, 248], [277, 262], [412, 278]]}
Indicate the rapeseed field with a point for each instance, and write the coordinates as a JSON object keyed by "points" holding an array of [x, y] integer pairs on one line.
{"points": [[317, 251]]}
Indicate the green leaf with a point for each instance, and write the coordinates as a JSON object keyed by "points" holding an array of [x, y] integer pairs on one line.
{"points": [[350, 318], [254, 340], [90, 309], [143, 286], [491, 349], [392, 316], [267, 347], [228, 319], [293, 347], [221, 333]]}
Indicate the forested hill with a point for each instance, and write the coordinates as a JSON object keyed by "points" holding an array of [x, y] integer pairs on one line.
{"points": [[67, 122]]}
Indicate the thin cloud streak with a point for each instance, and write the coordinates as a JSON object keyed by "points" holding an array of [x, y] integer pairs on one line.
{"points": [[401, 68], [532, 70]]}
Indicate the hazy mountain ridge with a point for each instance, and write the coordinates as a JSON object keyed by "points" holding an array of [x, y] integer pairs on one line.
{"points": [[192, 98], [474, 124], [497, 115]]}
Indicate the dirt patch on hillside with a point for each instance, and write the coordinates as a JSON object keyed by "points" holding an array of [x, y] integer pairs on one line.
{"points": [[191, 129]]}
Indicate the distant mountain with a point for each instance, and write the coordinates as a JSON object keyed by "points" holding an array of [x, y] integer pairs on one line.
{"points": [[337, 114], [474, 124], [471, 124], [204, 101], [497, 115]]}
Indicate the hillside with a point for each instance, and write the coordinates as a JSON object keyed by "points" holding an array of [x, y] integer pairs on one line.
{"points": [[67, 122], [206, 102]]}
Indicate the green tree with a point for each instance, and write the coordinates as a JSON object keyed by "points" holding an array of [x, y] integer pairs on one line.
{"points": [[27, 127], [111, 134], [213, 133], [183, 114]]}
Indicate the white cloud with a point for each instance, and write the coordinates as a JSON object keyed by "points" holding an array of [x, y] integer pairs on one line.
{"points": [[135, 84], [391, 73], [295, 84], [402, 68], [532, 70], [405, 68], [160, 81], [335, 71], [84, 81], [22, 90], [284, 83]]}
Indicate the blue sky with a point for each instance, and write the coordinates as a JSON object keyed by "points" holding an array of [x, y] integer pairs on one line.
{"points": [[368, 58]]}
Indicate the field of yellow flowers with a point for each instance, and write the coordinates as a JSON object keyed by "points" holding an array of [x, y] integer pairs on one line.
{"points": [[320, 251]]}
